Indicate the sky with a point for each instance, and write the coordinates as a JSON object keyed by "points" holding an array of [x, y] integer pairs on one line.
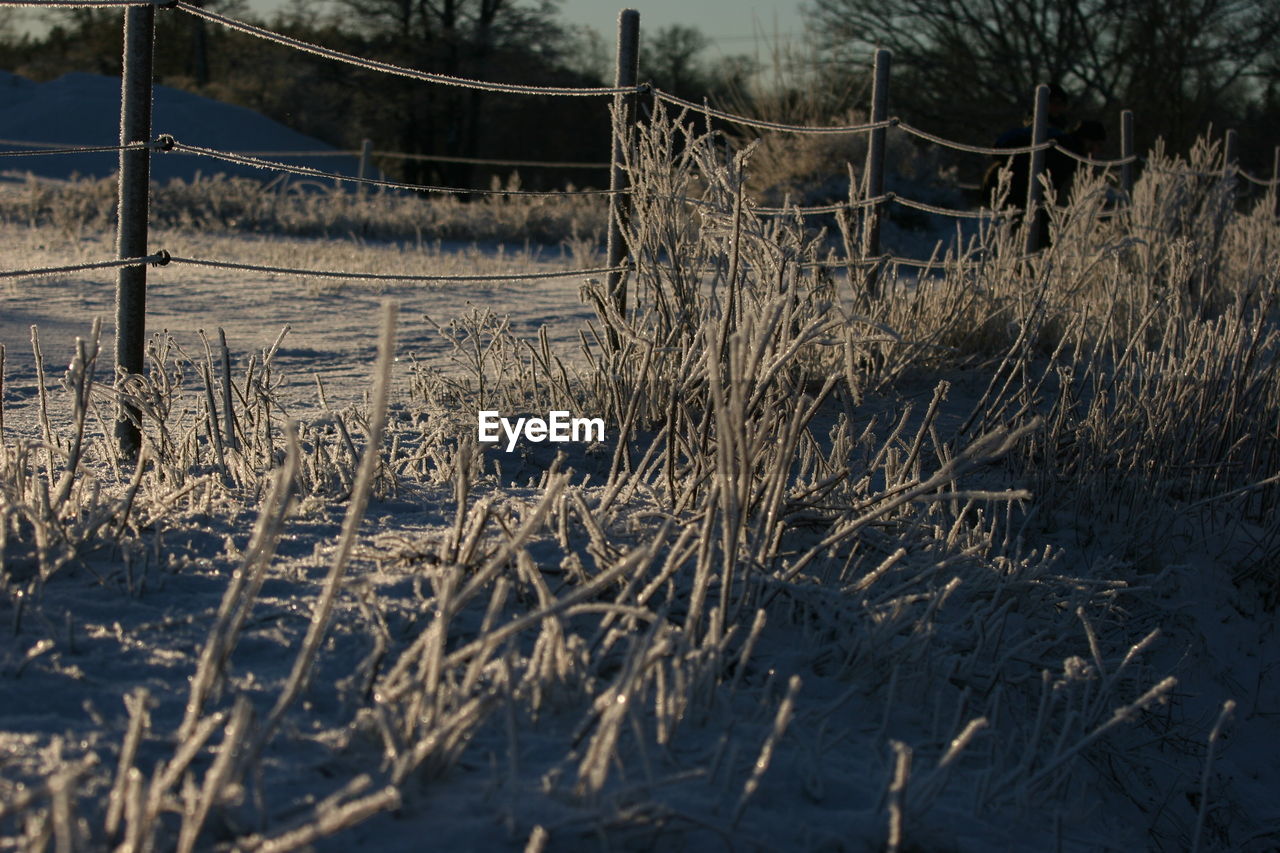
{"points": [[734, 26]]}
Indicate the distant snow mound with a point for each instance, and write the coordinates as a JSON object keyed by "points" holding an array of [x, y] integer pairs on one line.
{"points": [[84, 109]]}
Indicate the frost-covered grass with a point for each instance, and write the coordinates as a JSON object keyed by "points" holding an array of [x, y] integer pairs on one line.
{"points": [[973, 563], [306, 207]]}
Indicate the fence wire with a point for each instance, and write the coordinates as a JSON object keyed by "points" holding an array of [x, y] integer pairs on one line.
{"points": [[1090, 161], [432, 158], [819, 209], [38, 148], [396, 70], [1266, 183], [836, 207], [365, 276], [173, 145], [158, 259], [786, 210], [81, 4], [972, 149], [761, 124], [980, 213], [41, 149], [956, 265], [812, 210], [482, 161]]}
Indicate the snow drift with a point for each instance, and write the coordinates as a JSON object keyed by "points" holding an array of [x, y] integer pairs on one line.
{"points": [[84, 109]]}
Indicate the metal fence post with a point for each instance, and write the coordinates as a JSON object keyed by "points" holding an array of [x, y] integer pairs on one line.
{"points": [[366, 163], [1039, 133], [1275, 181], [624, 106], [1126, 152], [875, 153], [1230, 162], [133, 212], [1230, 146]]}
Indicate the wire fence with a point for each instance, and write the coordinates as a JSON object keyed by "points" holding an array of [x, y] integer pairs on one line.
{"points": [[158, 259], [761, 124], [80, 4], [390, 277], [271, 160], [138, 144], [168, 143], [396, 70], [39, 149]]}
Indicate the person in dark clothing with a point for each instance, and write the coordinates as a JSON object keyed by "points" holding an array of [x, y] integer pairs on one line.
{"points": [[1059, 106], [1084, 141], [1059, 113]]}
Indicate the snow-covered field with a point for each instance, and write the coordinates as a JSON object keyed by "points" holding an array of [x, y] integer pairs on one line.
{"points": [[82, 109], [836, 587]]}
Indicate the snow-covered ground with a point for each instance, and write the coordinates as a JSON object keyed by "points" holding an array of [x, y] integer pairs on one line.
{"points": [[794, 746], [82, 109]]}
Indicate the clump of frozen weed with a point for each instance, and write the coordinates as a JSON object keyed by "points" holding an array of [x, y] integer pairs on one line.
{"points": [[766, 529]]}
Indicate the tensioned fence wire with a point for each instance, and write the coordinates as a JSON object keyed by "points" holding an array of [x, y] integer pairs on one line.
{"points": [[81, 4], [359, 276], [959, 264], [1266, 183], [971, 149], [169, 144], [163, 258], [816, 209], [31, 149], [398, 70], [159, 258], [761, 124], [890, 197], [1093, 161], [434, 158], [981, 213], [484, 161], [39, 149]]}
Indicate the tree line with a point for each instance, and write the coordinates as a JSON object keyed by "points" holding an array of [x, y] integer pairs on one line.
{"points": [[964, 68], [961, 68]]}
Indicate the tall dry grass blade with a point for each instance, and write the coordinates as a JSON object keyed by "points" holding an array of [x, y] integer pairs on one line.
{"points": [[1158, 693], [242, 591], [1202, 810], [332, 821], [228, 411], [139, 722], [780, 722], [897, 796], [79, 382], [350, 526]]}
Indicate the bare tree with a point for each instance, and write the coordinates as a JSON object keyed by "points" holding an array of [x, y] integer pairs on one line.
{"points": [[967, 65], [671, 58]]}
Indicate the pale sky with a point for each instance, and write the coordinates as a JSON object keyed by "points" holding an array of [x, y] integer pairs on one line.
{"points": [[735, 26]]}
